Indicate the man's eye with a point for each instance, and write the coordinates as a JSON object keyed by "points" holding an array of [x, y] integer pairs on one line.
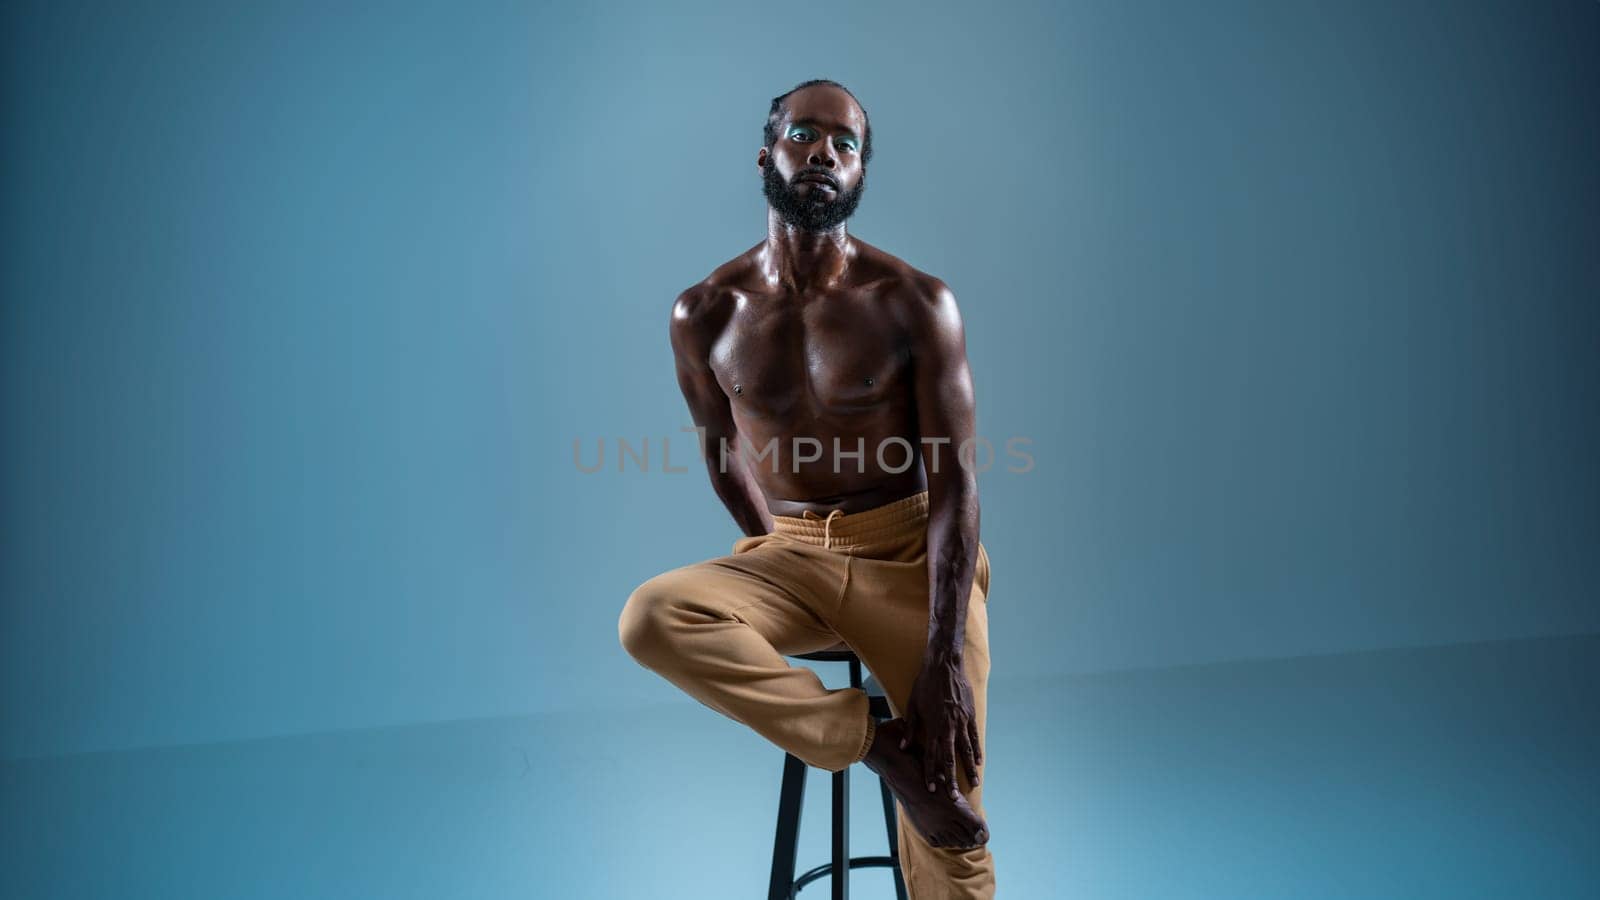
{"points": [[846, 145], [800, 135]]}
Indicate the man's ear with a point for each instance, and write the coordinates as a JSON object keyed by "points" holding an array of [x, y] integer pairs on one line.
{"points": [[761, 158]]}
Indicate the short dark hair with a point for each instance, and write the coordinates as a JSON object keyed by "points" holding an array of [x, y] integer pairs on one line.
{"points": [[769, 133]]}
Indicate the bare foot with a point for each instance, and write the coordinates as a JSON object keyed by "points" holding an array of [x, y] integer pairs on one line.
{"points": [[944, 820]]}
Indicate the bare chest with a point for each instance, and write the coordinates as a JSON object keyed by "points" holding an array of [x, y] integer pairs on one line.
{"points": [[814, 358]]}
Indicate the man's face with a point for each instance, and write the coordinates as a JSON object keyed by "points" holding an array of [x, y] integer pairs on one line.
{"points": [[813, 175]]}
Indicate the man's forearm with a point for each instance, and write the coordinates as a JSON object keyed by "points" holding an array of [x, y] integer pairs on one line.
{"points": [[737, 487], [952, 561]]}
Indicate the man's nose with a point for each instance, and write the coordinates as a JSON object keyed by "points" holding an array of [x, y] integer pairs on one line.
{"points": [[823, 156]]}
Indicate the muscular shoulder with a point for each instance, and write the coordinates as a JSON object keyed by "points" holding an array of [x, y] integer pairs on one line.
{"points": [[701, 311], [922, 303], [904, 284], [931, 318], [926, 296], [930, 322], [698, 314]]}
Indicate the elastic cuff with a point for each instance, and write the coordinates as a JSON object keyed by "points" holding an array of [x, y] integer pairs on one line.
{"points": [[866, 743]]}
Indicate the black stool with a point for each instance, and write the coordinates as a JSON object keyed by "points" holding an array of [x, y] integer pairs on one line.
{"points": [[784, 884]]}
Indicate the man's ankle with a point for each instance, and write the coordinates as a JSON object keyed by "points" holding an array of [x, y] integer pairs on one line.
{"points": [[878, 751]]}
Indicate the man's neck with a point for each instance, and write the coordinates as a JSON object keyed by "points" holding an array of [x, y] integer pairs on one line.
{"points": [[795, 260]]}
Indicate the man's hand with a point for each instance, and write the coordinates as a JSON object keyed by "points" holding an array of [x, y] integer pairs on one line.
{"points": [[941, 725]]}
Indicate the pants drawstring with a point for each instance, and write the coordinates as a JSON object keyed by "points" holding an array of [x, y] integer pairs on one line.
{"points": [[827, 525]]}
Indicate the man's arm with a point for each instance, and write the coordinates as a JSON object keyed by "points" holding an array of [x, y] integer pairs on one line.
{"points": [[946, 409], [941, 714], [695, 324]]}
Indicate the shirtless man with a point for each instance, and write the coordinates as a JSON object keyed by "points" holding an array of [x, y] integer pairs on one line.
{"points": [[814, 341]]}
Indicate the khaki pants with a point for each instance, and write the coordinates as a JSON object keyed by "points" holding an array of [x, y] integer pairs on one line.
{"points": [[720, 629]]}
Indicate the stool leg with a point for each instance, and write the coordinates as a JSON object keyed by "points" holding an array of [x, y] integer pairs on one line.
{"points": [[894, 838], [841, 834], [841, 813], [787, 841]]}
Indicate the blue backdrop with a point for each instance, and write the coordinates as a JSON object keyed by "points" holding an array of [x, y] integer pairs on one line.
{"points": [[305, 308]]}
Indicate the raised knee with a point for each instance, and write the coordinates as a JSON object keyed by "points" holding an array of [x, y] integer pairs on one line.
{"points": [[641, 627]]}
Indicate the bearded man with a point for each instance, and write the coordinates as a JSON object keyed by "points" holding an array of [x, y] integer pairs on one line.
{"points": [[814, 340]]}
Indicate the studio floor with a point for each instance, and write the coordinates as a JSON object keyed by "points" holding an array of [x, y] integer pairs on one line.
{"points": [[1452, 772]]}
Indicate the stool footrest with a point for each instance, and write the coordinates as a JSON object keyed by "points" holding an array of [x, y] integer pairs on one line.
{"points": [[856, 862]]}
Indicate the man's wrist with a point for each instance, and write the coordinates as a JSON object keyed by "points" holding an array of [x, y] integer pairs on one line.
{"points": [[942, 651]]}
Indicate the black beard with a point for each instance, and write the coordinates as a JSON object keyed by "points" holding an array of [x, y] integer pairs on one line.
{"points": [[813, 212]]}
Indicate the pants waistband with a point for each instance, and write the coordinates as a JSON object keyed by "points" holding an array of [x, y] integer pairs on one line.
{"points": [[842, 531]]}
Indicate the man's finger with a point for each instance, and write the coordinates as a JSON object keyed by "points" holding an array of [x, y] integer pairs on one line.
{"points": [[969, 758], [949, 763], [976, 755]]}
